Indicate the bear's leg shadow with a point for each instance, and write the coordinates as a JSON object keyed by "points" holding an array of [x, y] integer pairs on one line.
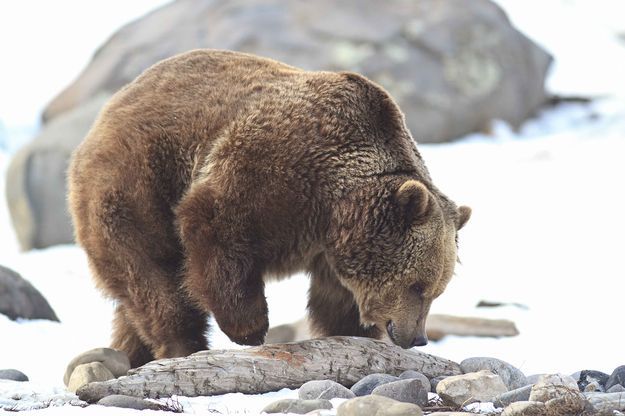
{"points": [[332, 309]]}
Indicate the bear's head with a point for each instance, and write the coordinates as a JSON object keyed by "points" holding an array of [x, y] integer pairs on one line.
{"points": [[393, 245]]}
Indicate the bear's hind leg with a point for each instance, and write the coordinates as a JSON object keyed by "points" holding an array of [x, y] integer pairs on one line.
{"points": [[332, 309], [125, 338]]}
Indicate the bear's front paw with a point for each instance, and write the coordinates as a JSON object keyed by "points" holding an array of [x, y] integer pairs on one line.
{"points": [[247, 326]]}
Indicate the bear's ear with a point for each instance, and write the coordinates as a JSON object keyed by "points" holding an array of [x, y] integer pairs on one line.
{"points": [[464, 213], [413, 197]]}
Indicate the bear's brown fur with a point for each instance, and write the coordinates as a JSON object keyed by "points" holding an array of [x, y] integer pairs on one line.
{"points": [[216, 170]]}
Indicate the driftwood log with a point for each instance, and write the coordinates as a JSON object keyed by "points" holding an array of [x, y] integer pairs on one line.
{"points": [[269, 368]]}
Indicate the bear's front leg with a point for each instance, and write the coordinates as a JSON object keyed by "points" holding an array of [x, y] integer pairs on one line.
{"points": [[222, 276]]}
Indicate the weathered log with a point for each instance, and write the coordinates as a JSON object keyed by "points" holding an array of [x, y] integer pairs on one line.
{"points": [[269, 368], [439, 326]]}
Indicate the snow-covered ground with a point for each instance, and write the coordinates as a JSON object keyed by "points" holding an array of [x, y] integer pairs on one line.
{"points": [[546, 230]]}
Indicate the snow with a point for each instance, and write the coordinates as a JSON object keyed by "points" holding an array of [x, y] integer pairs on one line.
{"points": [[545, 232]]}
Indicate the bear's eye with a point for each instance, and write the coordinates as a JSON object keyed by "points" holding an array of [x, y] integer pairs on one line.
{"points": [[416, 288]]}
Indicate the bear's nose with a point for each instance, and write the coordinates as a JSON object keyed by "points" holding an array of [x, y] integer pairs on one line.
{"points": [[419, 341]]}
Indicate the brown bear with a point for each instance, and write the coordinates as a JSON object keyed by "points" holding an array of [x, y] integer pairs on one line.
{"points": [[214, 171]]}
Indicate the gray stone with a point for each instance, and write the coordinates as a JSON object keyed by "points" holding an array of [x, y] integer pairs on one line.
{"points": [[409, 374], [378, 406], [366, 385], [512, 377], [407, 391], [617, 388], [434, 382], [464, 389], [617, 377], [129, 402], [20, 299], [558, 380], [525, 409], [116, 361], [595, 378], [298, 406], [36, 179], [474, 66], [607, 401], [533, 378], [12, 374], [88, 373], [517, 395], [324, 389]]}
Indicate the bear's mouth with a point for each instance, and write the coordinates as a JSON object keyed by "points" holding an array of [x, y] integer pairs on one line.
{"points": [[390, 330]]}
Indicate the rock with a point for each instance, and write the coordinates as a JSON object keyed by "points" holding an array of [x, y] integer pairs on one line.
{"points": [[298, 406], [517, 395], [36, 177], [594, 386], [525, 409], [434, 382], [570, 404], [129, 402], [464, 389], [617, 377], [367, 384], [324, 389], [607, 401], [378, 406], [587, 377], [439, 326], [87, 373], [551, 386], [296, 331], [512, 377], [20, 299], [407, 391], [411, 374], [12, 374], [115, 361], [617, 388], [533, 379], [474, 66]]}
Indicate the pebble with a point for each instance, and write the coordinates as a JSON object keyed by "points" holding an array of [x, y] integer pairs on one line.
{"points": [[368, 383], [298, 406], [607, 401], [410, 374], [517, 395], [406, 391], [12, 374], [559, 380], [525, 409], [617, 377], [88, 373], [324, 389], [378, 406], [434, 382], [116, 361], [587, 377], [617, 388], [461, 390], [511, 376], [128, 402]]}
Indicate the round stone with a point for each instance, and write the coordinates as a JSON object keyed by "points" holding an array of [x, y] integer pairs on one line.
{"points": [[116, 361], [368, 383], [407, 391], [324, 389], [12, 374], [298, 406], [617, 377], [128, 402], [512, 377]]}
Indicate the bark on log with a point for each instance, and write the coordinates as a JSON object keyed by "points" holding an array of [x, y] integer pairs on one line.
{"points": [[269, 368]]}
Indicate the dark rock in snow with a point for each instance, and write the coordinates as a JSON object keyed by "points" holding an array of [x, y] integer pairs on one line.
{"points": [[407, 391], [20, 299], [617, 377], [12, 374], [367, 384], [129, 402], [324, 389]]}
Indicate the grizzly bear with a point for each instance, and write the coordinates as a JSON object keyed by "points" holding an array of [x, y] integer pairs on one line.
{"points": [[215, 171]]}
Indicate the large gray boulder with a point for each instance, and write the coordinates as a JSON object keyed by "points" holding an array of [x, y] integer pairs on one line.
{"points": [[36, 178], [20, 299], [452, 65]]}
